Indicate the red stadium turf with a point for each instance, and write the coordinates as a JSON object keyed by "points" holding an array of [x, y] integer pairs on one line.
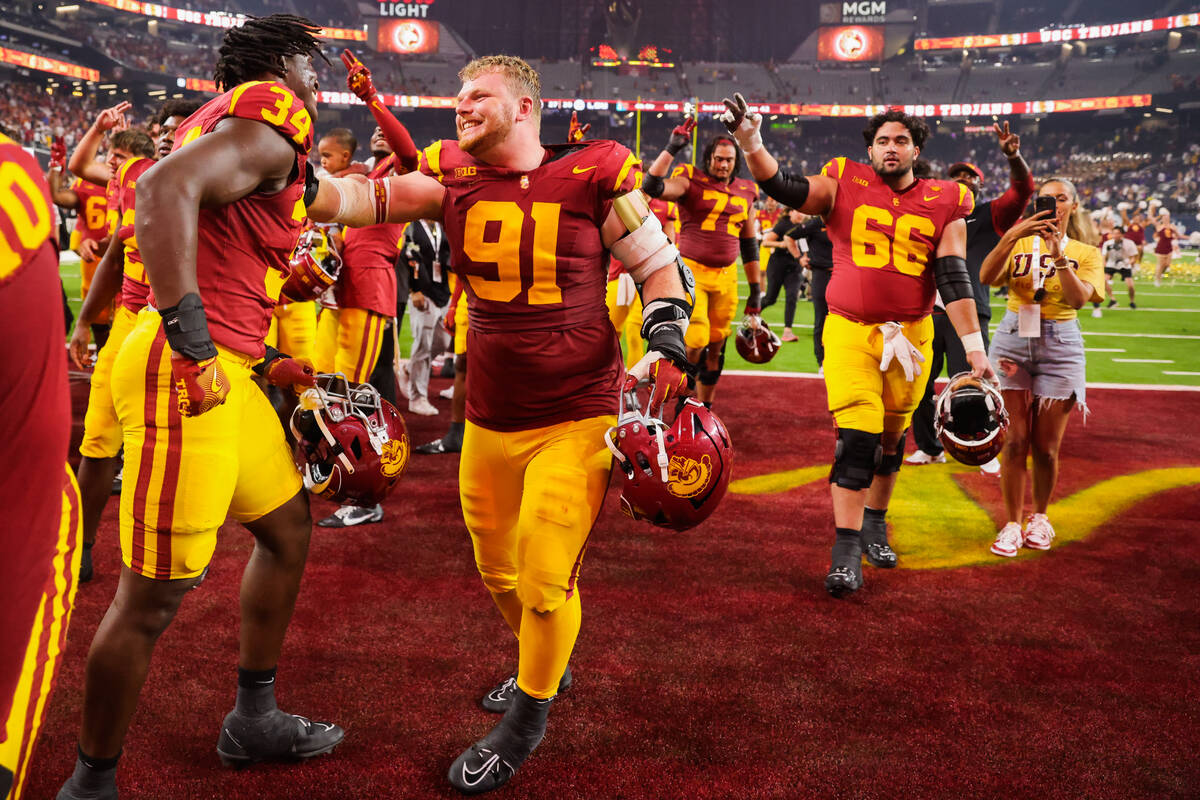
{"points": [[712, 664]]}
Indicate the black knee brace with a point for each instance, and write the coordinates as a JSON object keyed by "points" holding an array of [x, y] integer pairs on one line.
{"points": [[709, 377], [856, 459], [890, 463]]}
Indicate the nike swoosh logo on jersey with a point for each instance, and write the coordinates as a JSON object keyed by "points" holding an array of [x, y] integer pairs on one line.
{"points": [[927, 199], [581, 170]]}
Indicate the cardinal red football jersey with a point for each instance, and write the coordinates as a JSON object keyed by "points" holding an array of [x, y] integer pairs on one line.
{"points": [[884, 242], [542, 350], [35, 411], [92, 220], [243, 248], [711, 215], [368, 277], [135, 288]]}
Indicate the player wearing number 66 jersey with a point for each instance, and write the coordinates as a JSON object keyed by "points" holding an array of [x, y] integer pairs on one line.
{"points": [[530, 227], [896, 241]]}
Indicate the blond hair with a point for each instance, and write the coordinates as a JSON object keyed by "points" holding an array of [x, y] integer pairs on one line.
{"points": [[521, 78], [1079, 224]]}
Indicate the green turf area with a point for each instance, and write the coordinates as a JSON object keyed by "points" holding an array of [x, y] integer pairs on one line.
{"points": [[1165, 326]]}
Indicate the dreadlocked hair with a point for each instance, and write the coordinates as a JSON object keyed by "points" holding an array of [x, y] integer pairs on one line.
{"points": [[260, 45]]}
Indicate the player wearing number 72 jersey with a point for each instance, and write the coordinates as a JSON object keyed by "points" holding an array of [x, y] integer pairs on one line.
{"points": [[896, 241], [530, 227]]}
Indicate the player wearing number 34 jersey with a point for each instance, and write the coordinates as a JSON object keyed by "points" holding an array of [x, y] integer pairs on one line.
{"points": [[530, 227], [896, 241]]}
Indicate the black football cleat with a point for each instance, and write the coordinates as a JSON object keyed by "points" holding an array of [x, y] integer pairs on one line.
{"points": [[499, 699], [875, 544], [845, 573], [86, 784], [86, 570], [439, 447], [274, 736], [493, 760]]}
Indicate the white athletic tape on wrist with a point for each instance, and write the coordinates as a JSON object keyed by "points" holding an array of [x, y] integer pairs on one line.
{"points": [[973, 342], [361, 203], [646, 250]]}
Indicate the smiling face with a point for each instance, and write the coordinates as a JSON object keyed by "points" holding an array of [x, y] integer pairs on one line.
{"points": [[486, 112], [301, 78], [892, 151], [116, 157], [379, 143]]}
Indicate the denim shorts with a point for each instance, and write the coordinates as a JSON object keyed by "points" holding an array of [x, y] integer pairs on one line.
{"points": [[1051, 366]]}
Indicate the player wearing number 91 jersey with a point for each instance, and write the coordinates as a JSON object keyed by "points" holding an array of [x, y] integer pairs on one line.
{"points": [[40, 534], [530, 227], [896, 241]]}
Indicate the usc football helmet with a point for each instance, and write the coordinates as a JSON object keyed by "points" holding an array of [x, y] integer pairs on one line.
{"points": [[312, 271], [351, 444], [757, 345], [970, 419], [673, 476]]}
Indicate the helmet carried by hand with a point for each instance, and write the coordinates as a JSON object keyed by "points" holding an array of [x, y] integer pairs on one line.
{"points": [[970, 419]]}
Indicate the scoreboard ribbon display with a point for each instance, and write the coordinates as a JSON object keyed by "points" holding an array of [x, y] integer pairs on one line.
{"points": [[1072, 34], [213, 19]]}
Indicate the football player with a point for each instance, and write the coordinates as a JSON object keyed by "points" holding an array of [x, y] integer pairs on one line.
{"points": [[351, 335], [896, 240], [201, 440], [716, 210], [119, 273], [40, 534], [529, 226]]}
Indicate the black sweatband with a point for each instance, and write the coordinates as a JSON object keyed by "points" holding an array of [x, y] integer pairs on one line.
{"points": [[665, 311], [668, 340], [791, 190], [186, 327], [652, 185], [953, 282], [311, 184], [749, 248], [272, 354]]}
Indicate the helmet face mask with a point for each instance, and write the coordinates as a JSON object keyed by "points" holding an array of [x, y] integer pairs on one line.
{"points": [[351, 444], [310, 276], [757, 345], [970, 419], [673, 476]]}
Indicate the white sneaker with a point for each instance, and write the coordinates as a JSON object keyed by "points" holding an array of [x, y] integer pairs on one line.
{"points": [[422, 406], [921, 457], [447, 393], [821, 371], [349, 516], [1096, 312], [1008, 540], [991, 468], [1038, 532]]}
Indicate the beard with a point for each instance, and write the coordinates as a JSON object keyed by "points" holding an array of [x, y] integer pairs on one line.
{"points": [[885, 171], [483, 137]]}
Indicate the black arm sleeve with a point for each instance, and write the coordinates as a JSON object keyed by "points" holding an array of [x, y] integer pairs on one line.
{"points": [[653, 185], [749, 250], [953, 282], [311, 184], [791, 190]]}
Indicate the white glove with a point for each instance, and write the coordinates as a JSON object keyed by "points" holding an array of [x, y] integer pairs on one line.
{"points": [[743, 123], [897, 347]]}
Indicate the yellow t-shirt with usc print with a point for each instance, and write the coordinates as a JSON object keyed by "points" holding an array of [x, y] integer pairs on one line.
{"points": [[1083, 258]]}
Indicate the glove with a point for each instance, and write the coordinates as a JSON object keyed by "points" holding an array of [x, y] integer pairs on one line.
{"points": [[286, 372], [202, 385], [897, 347], [577, 132], [58, 153], [448, 322], [358, 78], [754, 301], [742, 123], [681, 135], [668, 380]]}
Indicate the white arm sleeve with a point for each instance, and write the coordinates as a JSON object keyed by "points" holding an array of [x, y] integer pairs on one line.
{"points": [[646, 250], [361, 203]]}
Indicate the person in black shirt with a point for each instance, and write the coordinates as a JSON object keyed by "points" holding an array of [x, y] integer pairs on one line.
{"points": [[814, 243], [428, 254], [784, 270]]}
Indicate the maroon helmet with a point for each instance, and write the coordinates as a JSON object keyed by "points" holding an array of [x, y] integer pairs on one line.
{"points": [[756, 345], [351, 444], [310, 276], [674, 476], [970, 419]]}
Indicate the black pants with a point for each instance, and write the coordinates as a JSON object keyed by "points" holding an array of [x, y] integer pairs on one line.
{"points": [[820, 280], [947, 349], [783, 274]]}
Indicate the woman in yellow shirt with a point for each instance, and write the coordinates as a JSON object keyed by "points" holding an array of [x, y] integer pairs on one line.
{"points": [[1051, 268]]}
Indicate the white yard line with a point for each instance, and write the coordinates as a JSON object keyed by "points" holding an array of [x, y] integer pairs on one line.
{"points": [[1136, 387], [1144, 360], [1103, 350]]}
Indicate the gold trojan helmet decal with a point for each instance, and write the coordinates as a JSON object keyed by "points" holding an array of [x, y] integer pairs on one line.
{"points": [[687, 476], [394, 456]]}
